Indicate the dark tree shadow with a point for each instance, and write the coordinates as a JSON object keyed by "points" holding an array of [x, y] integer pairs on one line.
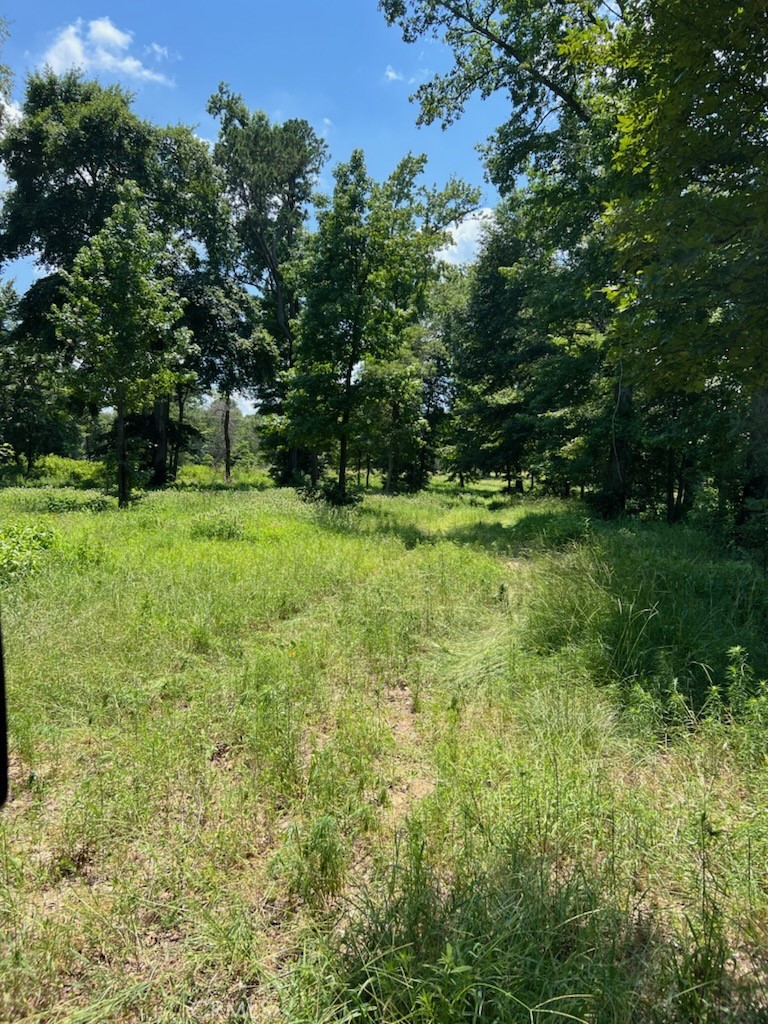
{"points": [[535, 531]]}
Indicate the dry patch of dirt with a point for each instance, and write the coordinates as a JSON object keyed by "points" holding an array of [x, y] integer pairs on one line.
{"points": [[413, 780]]}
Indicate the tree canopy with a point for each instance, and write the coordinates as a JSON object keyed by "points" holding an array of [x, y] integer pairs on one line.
{"points": [[609, 335]]}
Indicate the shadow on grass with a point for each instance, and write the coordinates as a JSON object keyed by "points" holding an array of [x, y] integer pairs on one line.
{"points": [[219, 485], [535, 530], [519, 944]]}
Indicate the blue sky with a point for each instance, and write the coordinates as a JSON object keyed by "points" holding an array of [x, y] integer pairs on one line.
{"points": [[336, 63]]}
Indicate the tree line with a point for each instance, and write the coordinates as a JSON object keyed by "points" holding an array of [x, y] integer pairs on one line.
{"points": [[610, 337]]}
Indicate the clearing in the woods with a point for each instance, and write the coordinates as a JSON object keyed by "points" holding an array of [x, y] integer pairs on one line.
{"points": [[444, 758]]}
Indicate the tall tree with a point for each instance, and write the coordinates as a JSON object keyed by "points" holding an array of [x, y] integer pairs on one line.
{"points": [[120, 316], [559, 135], [365, 276], [691, 226], [34, 419], [270, 172], [515, 47], [76, 142]]}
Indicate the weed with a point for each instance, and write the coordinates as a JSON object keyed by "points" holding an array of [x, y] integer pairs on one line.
{"points": [[313, 861], [217, 526]]}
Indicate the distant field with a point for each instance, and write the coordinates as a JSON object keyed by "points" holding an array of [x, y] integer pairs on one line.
{"points": [[444, 758]]}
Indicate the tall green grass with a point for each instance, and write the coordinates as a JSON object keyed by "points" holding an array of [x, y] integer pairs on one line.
{"points": [[652, 605], [422, 760]]}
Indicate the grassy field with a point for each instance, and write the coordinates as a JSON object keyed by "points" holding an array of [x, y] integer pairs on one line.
{"points": [[444, 758]]}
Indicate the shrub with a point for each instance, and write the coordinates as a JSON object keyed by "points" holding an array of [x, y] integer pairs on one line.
{"points": [[56, 500], [203, 477], [21, 549], [56, 470], [223, 525]]}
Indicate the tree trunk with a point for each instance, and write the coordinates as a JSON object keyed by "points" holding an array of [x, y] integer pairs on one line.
{"points": [[461, 479], [392, 454], [756, 486], [617, 484], [367, 471], [123, 491], [508, 477], [227, 442], [176, 449], [314, 469], [686, 490], [421, 478], [343, 459], [519, 482], [344, 439], [670, 485], [533, 481], [293, 464], [160, 415], [678, 510], [359, 465], [390, 468]]}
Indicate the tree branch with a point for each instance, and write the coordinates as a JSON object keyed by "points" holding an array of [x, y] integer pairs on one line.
{"points": [[510, 51]]}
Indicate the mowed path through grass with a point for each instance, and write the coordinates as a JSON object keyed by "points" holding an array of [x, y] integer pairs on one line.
{"points": [[275, 762]]}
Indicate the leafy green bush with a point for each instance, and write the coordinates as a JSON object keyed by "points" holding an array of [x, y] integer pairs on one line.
{"points": [[199, 477], [328, 491], [223, 525], [21, 548], [55, 470], [55, 500]]}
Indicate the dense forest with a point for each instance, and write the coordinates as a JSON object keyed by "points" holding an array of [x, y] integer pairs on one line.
{"points": [[610, 336]]}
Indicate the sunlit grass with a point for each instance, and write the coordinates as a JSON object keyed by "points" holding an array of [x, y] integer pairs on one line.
{"points": [[423, 760]]}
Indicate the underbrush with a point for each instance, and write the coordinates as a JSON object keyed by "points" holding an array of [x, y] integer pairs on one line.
{"points": [[507, 942], [193, 477], [21, 548], [649, 605], [560, 870], [43, 500], [58, 471]]}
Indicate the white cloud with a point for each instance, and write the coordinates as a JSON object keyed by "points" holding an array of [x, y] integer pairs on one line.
{"points": [[100, 46], [326, 129], [103, 33], [158, 52], [10, 112], [391, 75], [67, 50], [466, 237]]}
